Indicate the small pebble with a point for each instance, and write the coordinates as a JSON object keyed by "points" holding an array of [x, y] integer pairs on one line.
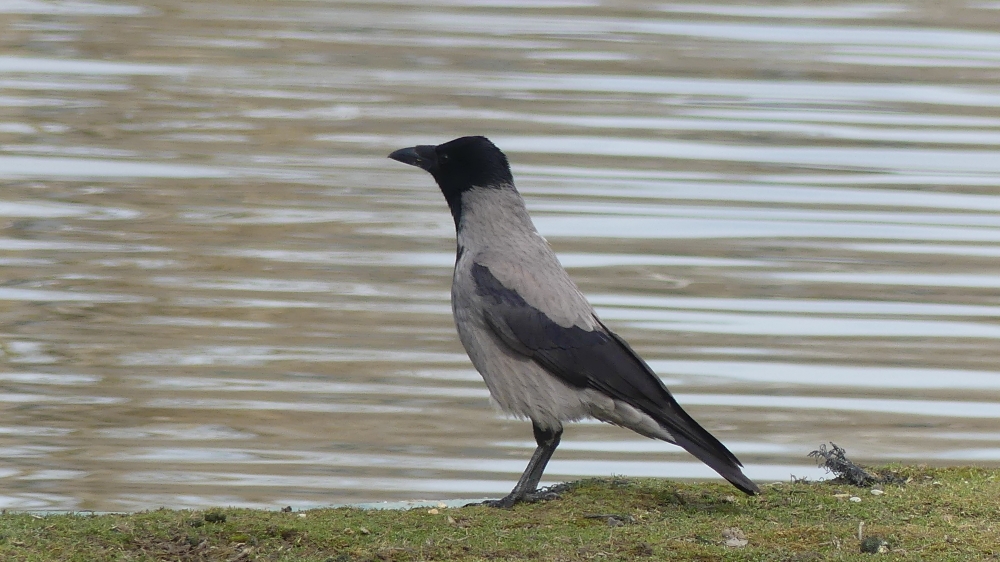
{"points": [[433, 511], [735, 537], [854, 499], [874, 545], [877, 492]]}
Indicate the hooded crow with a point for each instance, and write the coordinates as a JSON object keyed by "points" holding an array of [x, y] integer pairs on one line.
{"points": [[531, 334]]}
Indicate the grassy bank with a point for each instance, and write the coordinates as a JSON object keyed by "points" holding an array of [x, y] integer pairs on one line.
{"points": [[931, 514]]}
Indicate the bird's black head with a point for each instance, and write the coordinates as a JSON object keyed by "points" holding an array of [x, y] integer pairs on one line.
{"points": [[460, 165]]}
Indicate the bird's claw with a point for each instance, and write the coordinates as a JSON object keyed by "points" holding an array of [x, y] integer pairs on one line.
{"points": [[506, 502], [509, 502], [541, 495], [502, 503]]}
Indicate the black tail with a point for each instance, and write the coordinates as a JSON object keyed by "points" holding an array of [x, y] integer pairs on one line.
{"points": [[646, 392], [719, 459], [699, 442]]}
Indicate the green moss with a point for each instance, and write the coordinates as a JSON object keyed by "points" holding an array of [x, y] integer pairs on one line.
{"points": [[937, 514]]}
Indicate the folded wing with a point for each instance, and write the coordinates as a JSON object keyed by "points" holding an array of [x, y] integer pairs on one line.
{"points": [[600, 360]]}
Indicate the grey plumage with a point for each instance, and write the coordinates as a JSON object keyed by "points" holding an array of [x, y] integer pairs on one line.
{"points": [[529, 331]]}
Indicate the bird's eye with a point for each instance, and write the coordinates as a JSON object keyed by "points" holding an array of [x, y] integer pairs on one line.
{"points": [[443, 157]]}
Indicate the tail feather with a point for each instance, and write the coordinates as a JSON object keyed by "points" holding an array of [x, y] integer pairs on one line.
{"points": [[644, 390], [725, 463], [697, 440]]}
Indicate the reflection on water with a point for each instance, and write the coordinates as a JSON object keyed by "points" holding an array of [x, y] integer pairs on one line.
{"points": [[217, 290], [82, 168]]}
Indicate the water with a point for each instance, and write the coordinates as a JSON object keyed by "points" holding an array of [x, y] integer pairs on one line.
{"points": [[216, 288]]}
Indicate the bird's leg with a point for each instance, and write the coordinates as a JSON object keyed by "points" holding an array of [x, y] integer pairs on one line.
{"points": [[547, 440]]}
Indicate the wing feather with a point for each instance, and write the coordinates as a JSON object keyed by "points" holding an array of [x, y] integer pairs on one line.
{"points": [[601, 360]]}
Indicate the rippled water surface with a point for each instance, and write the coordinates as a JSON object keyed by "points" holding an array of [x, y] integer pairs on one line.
{"points": [[216, 289]]}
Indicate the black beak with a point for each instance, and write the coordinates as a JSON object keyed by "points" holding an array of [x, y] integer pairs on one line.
{"points": [[423, 156]]}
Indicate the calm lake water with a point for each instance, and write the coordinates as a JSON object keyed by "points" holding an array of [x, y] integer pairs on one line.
{"points": [[217, 290]]}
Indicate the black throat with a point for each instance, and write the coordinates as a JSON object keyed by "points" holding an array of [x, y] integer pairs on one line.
{"points": [[453, 196]]}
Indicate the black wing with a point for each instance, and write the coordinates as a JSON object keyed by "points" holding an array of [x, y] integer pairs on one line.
{"points": [[601, 360]]}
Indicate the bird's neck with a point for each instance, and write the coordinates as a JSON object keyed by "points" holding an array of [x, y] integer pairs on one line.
{"points": [[490, 216]]}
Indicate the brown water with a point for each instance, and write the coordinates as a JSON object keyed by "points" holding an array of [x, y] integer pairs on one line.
{"points": [[216, 289]]}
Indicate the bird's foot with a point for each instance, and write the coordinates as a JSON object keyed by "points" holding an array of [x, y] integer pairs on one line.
{"points": [[542, 494], [506, 502]]}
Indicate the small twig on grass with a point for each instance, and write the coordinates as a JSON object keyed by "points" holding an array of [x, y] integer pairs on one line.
{"points": [[612, 519], [835, 460]]}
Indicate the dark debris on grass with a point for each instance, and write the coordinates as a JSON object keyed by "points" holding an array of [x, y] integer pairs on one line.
{"points": [[847, 471]]}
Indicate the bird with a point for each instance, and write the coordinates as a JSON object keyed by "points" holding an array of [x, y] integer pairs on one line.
{"points": [[537, 342]]}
